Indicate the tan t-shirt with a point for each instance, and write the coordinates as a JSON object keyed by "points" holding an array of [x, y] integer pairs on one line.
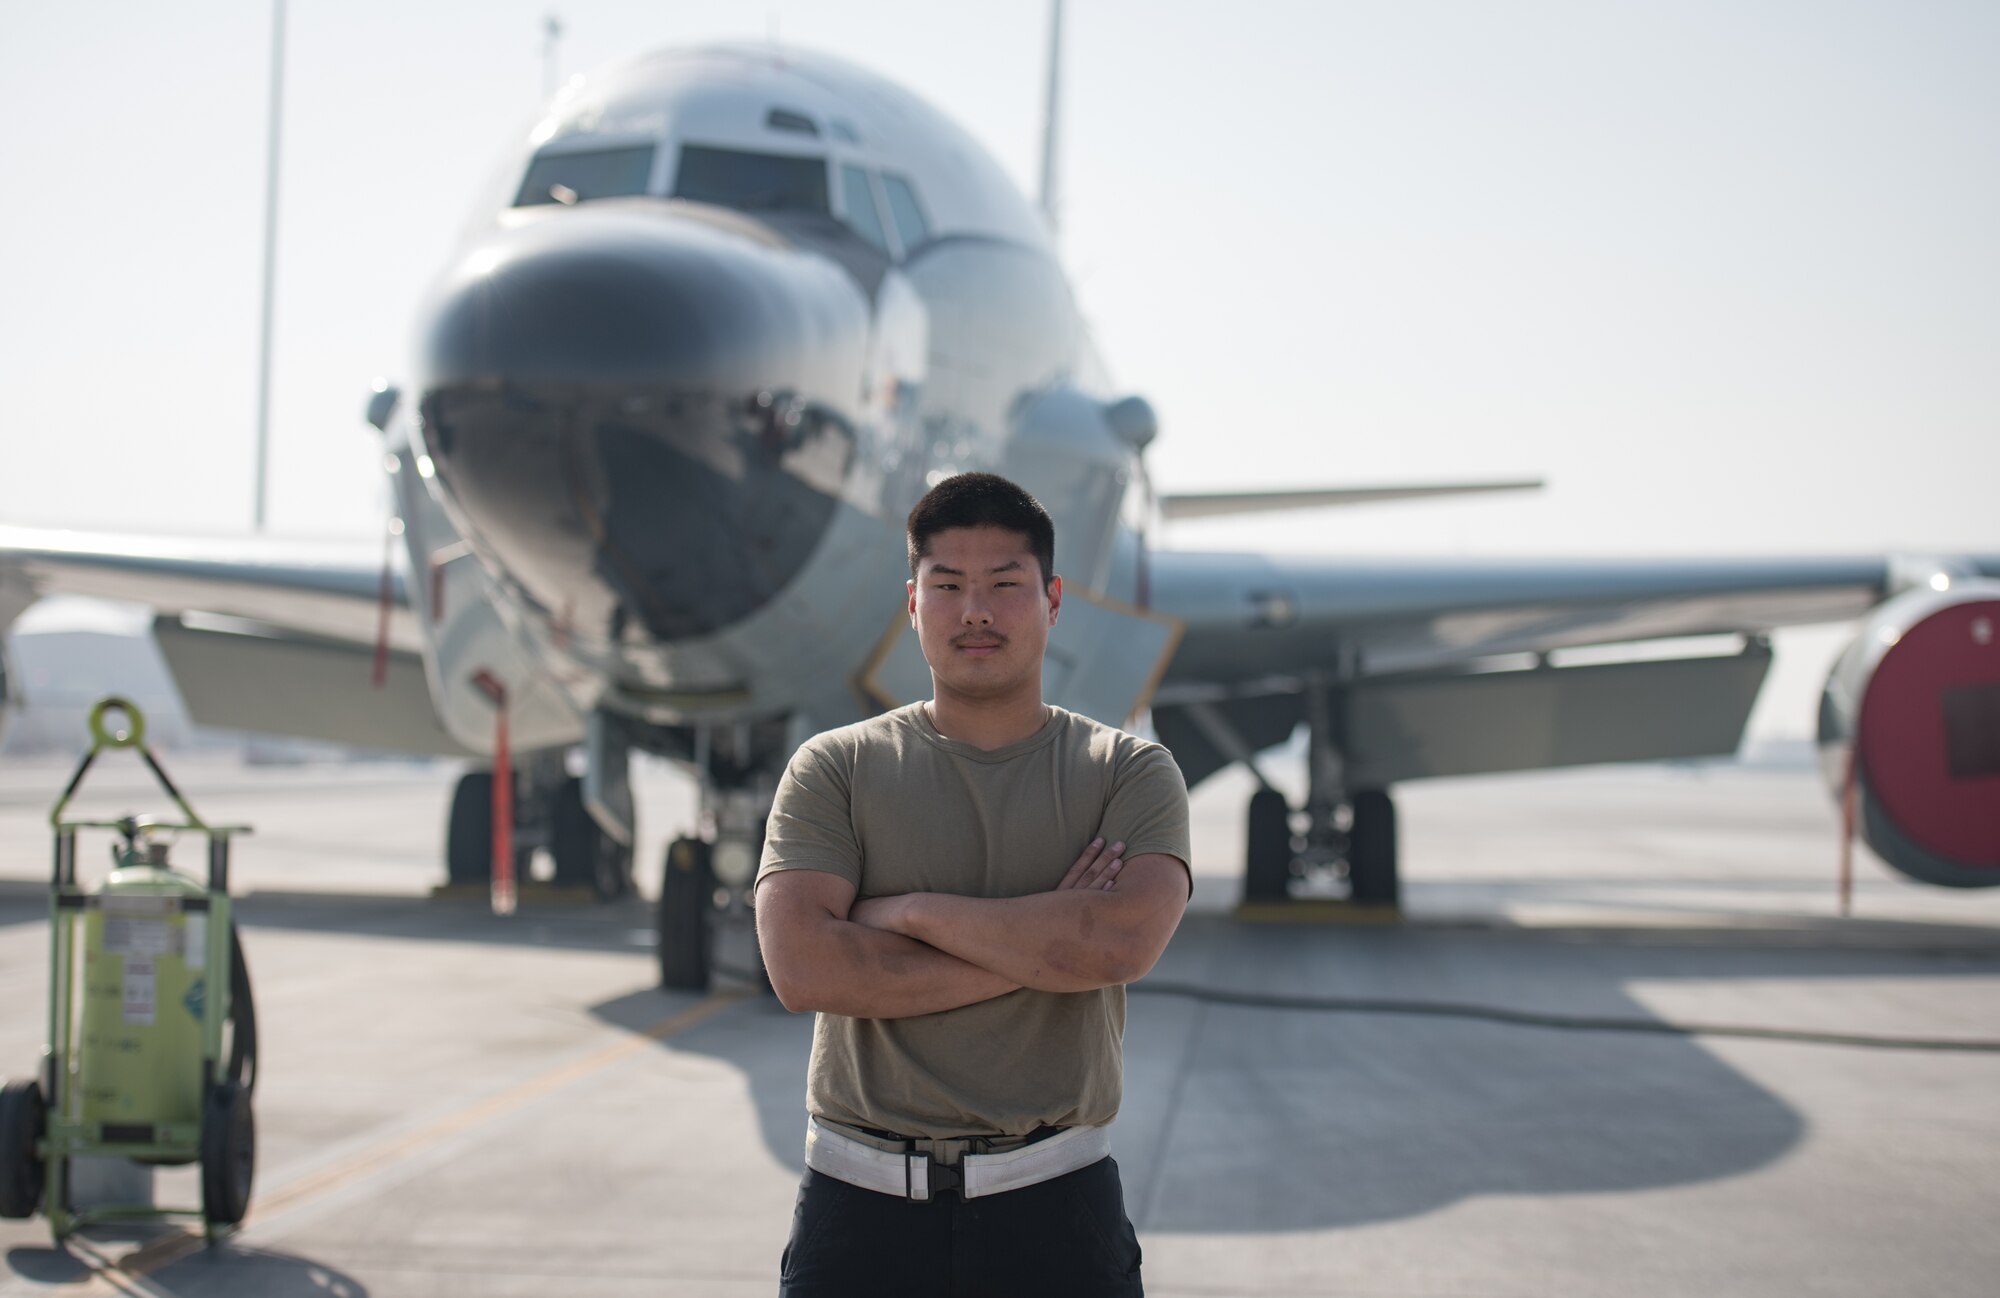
{"points": [[892, 806]]}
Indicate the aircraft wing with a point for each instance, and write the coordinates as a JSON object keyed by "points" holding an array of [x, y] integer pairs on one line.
{"points": [[1439, 667], [331, 590], [1212, 504], [268, 635]]}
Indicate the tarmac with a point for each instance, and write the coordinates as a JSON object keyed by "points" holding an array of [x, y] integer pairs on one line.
{"points": [[1499, 1096]]}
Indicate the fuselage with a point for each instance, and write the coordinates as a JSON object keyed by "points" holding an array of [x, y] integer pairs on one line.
{"points": [[734, 313]]}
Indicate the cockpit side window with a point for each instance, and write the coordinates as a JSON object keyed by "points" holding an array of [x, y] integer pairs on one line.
{"points": [[578, 177], [752, 182], [857, 199], [905, 211]]}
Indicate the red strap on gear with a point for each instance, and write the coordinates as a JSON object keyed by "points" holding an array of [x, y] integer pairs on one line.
{"points": [[383, 601], [504, 894]]}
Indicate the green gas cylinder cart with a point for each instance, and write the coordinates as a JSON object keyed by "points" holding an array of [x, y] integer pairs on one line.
{"points": [[152, 1035]]}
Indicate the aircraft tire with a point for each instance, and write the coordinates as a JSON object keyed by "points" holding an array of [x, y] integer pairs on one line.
{"points": [[228, 1154], [1267, 868], [24, 1120], [687, 889], [1371, 850], [614, 870], [468, 839], [586, 856]]}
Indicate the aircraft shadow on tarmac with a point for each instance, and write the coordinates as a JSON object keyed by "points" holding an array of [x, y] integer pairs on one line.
{"points": [[230, 1268], [1242, 1119]]}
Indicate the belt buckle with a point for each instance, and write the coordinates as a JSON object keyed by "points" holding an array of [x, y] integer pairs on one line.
{"points": [[938, 1176]]}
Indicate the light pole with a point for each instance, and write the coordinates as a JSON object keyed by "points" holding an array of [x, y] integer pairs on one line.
{"points": [[1051, 199], [270, 259], [551, 33]]}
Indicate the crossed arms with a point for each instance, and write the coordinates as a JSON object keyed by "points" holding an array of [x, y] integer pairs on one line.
{"points": [[1104, 925]]}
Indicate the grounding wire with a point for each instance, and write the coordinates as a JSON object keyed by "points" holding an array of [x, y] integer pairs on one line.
{"points": [[1558, 1022]]}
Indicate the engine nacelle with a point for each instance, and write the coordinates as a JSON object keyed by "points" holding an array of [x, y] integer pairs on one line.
{"points": [[1914, 704], [15, 597]]}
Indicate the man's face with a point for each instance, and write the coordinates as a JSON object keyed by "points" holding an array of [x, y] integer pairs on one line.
{"points": [[982, 613]]}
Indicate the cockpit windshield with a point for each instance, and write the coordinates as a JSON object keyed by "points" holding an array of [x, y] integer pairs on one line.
{"points": [[581, 176], [751, 182]]}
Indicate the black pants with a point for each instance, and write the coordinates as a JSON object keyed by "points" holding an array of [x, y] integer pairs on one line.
{"points": [[1065, 1236]]}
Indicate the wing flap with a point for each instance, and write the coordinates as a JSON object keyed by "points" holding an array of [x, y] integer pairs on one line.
{"points": [[1479, 723], [1545, 717], [281, 683]]}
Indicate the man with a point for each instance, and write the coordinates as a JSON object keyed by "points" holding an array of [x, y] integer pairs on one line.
{"points": [[922, 889]]}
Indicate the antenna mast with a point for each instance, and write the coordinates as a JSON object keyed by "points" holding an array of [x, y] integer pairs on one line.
{"points": [[1050, 200]]}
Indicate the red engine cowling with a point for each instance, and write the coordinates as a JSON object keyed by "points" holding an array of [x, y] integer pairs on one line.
{"points": [[1915, 703]]}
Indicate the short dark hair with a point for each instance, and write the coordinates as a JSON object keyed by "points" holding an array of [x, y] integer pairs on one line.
{"points": [[982, 500]]}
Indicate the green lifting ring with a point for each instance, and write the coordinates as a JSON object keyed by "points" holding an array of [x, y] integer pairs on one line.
{"points": [[134, 736], [131, 734]]}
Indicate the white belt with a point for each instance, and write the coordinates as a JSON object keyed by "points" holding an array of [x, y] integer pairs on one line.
{"points": [[918, 1176]]}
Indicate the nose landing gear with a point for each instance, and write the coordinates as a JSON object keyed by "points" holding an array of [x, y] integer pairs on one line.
{"points": [[705, 918], [549, 813], [686, 917]]}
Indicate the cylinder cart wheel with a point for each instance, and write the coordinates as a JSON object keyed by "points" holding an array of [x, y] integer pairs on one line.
{"points": [[228, 1154], [24, 1119]]}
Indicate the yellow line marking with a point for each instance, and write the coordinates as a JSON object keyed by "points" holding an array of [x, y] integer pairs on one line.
{"points": [[126, 1275], [367, 1161], [1316, 910]]}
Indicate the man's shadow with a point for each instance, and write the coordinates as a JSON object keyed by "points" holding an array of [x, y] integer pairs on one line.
{"points": [[1243, 1118]]}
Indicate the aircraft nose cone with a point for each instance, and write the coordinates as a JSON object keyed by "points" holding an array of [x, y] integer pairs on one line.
{"points": [[630, 298], [645, 421]]}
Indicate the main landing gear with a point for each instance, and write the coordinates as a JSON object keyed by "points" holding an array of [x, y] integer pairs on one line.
{"points": [[549, 813], [1335, 857], [1358, 847]]}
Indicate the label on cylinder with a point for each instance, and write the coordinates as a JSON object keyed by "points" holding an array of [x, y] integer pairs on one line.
{"points": [[138, 1056], [142, 988], [140, 937], [195, 935]]}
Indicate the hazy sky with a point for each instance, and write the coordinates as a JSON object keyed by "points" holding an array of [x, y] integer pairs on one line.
{"points": [[1725, 273]]}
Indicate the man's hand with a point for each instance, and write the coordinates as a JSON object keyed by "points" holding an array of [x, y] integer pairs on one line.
{"points": [[880, 912], [1098, 867]]}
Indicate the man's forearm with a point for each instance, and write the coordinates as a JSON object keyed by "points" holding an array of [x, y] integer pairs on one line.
{"points": [[868, 973], [1064, 941]]}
